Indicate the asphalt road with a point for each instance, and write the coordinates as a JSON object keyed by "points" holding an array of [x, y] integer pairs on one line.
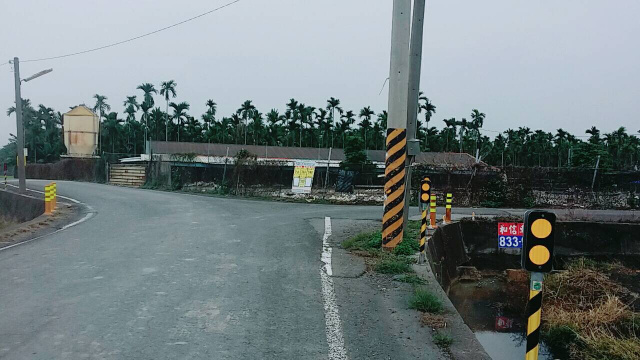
{"points": [[157, 275]]}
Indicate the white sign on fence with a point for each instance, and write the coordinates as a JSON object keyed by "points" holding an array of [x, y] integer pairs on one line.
{"points": [[303, 176]]}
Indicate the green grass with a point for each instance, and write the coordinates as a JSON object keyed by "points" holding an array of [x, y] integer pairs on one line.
{"points": [[393, 266], [442, 340], [423, 300], [370, 241], [411, 279]]}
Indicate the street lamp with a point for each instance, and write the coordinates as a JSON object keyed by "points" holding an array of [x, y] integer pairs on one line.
{"points": [[22, 184]]}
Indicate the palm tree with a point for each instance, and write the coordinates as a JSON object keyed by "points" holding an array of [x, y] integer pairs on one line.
{"points": [[451, 125], [477, 121], [382, 126], [145, 107], [273, 117], [179, 114], [113, 129], [167, 89], [100, 107], [323, 125], [148, 90], [348, 119], [210, 116], [246, 110], [131, 107], [333, 104], [147, 103], [595, 135], [365, 122], [305, 113], [212, 107]]}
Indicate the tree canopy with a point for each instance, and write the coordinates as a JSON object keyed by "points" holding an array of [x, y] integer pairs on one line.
{"points": [[327, 125]]}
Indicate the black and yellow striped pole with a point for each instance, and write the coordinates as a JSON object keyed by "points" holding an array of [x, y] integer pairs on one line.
{"points": [[537, 257], [447, 214], [432, 210], [394, 173], [534, 314], [425, 193]]}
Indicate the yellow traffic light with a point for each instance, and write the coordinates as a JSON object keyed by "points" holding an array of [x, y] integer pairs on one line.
{"points": [[541, 228], [425, 190], [539, 255], [538, 241]]}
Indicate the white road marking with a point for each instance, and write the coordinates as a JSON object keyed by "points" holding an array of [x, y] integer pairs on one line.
{"points": [[333, 325], [88, 216], [60, 196]]}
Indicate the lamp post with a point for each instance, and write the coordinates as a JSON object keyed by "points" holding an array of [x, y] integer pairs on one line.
{"points": [[22, 184]]}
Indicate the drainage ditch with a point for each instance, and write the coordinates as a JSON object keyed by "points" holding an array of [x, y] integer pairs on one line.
{"points": [[490, 292]]}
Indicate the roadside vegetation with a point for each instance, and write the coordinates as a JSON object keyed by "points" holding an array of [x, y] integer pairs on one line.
{"points": [[397, 262], [158, 111], [588, 315], [4, 223]]}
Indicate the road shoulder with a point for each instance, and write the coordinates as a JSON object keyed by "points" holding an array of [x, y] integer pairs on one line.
{"points": [[67, 213]]}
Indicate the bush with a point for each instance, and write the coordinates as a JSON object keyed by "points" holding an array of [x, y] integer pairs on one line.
{"points": [[423, 300]]}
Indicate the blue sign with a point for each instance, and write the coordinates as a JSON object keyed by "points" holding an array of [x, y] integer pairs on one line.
{"points": [[510, 241]]}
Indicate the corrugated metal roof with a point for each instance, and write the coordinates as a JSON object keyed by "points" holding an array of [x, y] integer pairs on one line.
{"points": [[303, 153]]}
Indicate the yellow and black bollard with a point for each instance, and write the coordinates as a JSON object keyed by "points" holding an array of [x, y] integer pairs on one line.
{"points": [[47, 199], [432, 210], [425, 193], [447, 214], [54, 197], [537, 257], [394, 173], [534, 313]]}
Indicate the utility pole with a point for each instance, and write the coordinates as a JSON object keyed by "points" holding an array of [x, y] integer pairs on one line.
{"points": [[396, 140], [415, 69], [595, 172], [22, 184]]}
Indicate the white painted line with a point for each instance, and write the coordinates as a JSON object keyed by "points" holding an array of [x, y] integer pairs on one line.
{"points": [[88, 216], [333, 325], [60, 196]]}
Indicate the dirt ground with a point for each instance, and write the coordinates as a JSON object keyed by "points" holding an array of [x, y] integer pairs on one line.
{"points": [[12, 233]]}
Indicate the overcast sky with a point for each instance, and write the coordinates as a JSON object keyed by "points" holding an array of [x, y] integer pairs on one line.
{"points": [[542, 64]]}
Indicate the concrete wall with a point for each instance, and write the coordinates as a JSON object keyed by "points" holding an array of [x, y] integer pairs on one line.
{"points": [[475, 243], [20, 208]]}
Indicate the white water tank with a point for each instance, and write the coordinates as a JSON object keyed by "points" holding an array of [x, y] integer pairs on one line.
{"points": [[81, 128]]}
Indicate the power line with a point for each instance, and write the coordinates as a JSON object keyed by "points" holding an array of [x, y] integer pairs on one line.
{"points": [[133, 38]]}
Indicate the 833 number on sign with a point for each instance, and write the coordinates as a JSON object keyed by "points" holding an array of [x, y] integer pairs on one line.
{"points": [[510, 235]]}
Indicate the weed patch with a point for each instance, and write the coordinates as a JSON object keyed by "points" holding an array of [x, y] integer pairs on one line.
{"points": [[411, 279], [423, 300], [370, 241], [392, 265], [442, 340]]}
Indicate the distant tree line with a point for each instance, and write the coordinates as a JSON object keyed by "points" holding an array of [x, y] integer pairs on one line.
{"points": [[328, 125]]}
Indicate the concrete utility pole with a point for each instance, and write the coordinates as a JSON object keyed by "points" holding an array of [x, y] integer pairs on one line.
{"points": [[595, 173], [396, 140], [22, 184], [415, 69]]}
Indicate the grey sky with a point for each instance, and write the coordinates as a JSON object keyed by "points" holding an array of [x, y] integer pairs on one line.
{"points": [[543, 64]]}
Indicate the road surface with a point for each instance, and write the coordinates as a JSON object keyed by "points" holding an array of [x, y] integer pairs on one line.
{"points": [[158, 275]]}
